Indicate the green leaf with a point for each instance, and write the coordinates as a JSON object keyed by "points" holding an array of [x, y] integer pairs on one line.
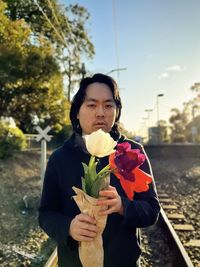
{"points": [[100, 184], [92, 169], [83, 184], [85, 167]]}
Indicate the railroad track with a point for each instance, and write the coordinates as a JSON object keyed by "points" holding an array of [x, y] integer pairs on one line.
{"points": [[172, 221], [175, 221]]}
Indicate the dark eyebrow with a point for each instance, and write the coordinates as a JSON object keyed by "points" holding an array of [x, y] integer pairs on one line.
{"points": [[95, 100]]}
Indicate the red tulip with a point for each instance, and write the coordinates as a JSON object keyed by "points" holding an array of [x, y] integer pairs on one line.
{"points": [[125, 162]]}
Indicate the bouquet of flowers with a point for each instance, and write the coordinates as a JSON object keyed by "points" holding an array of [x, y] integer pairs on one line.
{"points": [[124, 162]]}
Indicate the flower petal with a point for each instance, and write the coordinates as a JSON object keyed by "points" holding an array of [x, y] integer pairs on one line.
{"points": [[100, 144], [130, 185]]}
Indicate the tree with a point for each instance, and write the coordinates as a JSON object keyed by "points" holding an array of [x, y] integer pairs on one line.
{"points": [[192, 109], [63, 27], [186, 123], [179, 121], [30, 79], [195, 87]]}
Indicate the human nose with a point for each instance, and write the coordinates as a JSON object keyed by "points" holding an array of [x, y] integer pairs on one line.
{"points": [[100, 111]]}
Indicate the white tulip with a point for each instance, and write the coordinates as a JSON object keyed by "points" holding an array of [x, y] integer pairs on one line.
{"points": [[100, 144]]}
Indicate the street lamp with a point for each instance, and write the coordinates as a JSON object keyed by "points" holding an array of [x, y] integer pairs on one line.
{"points": [[148, 111], [119, 69], [158, 124], [144, 126]]}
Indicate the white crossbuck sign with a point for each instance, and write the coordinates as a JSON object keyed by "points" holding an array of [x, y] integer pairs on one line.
{"points": [[43, 133]]}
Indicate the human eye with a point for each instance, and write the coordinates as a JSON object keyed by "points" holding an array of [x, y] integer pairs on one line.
{"points": [[109, 106], [91, 105]]}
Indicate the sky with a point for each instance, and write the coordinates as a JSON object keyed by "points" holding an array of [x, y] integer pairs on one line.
{"points": [[158, 42]]}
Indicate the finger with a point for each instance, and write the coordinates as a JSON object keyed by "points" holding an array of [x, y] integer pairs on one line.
{"points": [[81, 237], [87, 233], [108, 193], [107, 202], [107, 212], [86, 218], [89, 227], [110, 187]]}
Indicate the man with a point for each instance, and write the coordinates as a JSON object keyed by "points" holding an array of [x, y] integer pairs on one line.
{"points": [[96, 105]]}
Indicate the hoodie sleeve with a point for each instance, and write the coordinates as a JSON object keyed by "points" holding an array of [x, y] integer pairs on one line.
{"points": [[144, 209], [51, 218]]}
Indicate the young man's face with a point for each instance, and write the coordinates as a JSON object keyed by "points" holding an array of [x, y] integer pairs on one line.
{"points": [[98, 110]]}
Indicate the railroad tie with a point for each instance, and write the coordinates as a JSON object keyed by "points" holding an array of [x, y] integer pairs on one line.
{"points": [[165, 200], [169, 207], [183, 227], [162, 195], [193, 243], [175, 216]]}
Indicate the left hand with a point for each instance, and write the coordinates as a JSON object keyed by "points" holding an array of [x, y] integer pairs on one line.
{"points": [[111, 199]]}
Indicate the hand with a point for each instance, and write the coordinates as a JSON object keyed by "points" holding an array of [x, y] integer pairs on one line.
{"points": [[112, 200], [83, 228]]}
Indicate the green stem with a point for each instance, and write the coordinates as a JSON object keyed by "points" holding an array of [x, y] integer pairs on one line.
{"points": [[105, 169]]}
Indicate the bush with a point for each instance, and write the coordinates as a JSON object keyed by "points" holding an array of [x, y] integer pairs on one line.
{"points": [[11, 138]]}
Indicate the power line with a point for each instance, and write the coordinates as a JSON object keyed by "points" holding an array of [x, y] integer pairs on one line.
{"points": [[56, 18], [115, 37], [59, 25], [49, 21], [62, 36]]}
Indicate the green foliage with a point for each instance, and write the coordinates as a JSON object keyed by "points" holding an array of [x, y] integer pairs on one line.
{"points": [[70, 38], [179, 121], [30, 80], [186, 121], [11, 138], [93, 182]]}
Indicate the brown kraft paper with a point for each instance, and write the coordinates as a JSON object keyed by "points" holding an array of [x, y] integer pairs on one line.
{"points": [[91, 253]]}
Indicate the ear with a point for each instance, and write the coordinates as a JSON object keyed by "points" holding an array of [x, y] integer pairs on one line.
{"points": [[77, 116]]}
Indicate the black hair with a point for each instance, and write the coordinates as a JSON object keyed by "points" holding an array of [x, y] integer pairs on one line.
{"points": [[79, 98]]}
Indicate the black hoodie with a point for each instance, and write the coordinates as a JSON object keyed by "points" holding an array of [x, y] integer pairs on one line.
{"points": [[57, 207]]}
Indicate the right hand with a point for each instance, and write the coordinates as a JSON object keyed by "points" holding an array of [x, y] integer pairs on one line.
{"points": [[83, 228]]}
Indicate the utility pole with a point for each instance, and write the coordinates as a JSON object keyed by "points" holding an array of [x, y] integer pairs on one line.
{"points": [[158, 124], [148, 112]]}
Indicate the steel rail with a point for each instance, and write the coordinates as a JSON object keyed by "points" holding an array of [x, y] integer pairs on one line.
{"points": [[182, 259], [53, 260]]}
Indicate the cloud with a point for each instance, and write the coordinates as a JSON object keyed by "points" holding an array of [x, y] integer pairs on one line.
{"points": [[176, 68], [163, 75]]}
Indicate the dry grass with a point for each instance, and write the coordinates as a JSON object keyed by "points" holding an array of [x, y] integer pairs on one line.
{"points": [[20, 177]]}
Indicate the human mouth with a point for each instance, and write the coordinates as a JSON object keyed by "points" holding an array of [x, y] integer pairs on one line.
{"points": [[100, 124]]}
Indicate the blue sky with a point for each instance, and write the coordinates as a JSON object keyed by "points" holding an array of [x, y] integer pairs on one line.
{"points": [[158, 41]]}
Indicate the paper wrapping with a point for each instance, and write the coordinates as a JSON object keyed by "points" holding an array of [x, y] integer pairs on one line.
{"points": [[91, 253]]}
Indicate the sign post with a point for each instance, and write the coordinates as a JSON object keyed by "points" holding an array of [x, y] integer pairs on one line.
{"points": [[44, 137]]}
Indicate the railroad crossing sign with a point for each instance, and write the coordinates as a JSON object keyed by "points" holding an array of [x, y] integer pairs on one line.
{"points": [[43, 133], [43, 136]]}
